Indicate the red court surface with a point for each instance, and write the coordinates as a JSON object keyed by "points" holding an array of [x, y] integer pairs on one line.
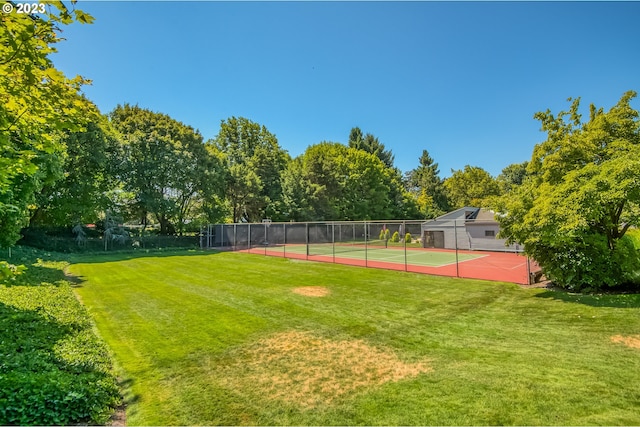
{"points": [[494, 266]]}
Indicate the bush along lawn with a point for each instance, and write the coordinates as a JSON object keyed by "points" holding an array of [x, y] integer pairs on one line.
{"points": [[54, 370]]}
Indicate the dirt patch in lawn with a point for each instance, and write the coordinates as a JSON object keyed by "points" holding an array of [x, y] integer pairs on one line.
{"points": [[632, 341], [312, 291], [306, 370]]}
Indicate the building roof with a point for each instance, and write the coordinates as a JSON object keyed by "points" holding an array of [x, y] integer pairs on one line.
{"points": [[485, 215], [470, 214]]}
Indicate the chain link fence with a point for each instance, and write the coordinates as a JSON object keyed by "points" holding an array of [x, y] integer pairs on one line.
{"points": [[457, 248]]}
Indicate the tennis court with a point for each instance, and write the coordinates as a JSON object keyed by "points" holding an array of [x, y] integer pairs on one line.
{"points": [[380, 254], [497, 266], [355, 243]]}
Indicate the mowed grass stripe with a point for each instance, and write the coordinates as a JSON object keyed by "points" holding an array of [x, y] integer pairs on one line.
{"points": [[183, 327]]}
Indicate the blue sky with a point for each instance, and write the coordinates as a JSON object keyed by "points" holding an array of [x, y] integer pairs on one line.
{"points": [[460, 79]]}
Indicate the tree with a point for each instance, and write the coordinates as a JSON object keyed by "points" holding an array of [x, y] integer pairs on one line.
{"points": [[370, 144], [403, 205], [580, 197], [89, 172], [333, 182], [298, 192], [512, 175], [472, 186], [427, 187], [165, 164], [37, 103], [211, 207], [256, 163]]}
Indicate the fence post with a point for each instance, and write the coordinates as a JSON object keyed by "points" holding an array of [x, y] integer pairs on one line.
{"points": [[306, 237], [455, 234], [223, 232], [404, 239], [366, 239], [354, 232], [235, 237], [333, 240]]}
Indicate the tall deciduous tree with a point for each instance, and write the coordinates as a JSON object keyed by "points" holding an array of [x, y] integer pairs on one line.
{"points": [[333, 182], [37, 103], [89, 172], [255, 162], [581, 196], [472, 186], [511, 176], [164, 164], [298, 192]]}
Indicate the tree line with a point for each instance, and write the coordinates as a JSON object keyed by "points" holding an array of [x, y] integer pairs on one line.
{"points": [[148, 168], [64, 163]]}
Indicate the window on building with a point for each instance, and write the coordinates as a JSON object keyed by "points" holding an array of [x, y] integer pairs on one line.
{"points": [[489, 233]]}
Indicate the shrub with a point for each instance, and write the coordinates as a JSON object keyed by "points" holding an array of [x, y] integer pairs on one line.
{"points": [[396, 237], [9, 272], [586, 263], [407, 238], [53, 368]]}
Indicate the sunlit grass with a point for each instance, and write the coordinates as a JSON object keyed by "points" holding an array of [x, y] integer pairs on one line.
{"points": [[194, 336]]}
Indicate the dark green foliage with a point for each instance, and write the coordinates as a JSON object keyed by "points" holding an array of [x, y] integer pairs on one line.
{"points": [[586, 263], [255, 163], [372, 145], [333, 182], [512, 175], [88, 172], [165, 165], [426, 186], [53, 368]]}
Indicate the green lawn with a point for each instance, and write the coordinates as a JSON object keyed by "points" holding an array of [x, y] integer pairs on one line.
{"points": [[221, 338]]}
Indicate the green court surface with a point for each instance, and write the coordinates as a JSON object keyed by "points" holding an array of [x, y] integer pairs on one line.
{"points": [[427, 258]]}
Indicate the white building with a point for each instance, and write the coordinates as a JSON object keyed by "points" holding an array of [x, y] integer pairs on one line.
{"points": [[467, 228]]}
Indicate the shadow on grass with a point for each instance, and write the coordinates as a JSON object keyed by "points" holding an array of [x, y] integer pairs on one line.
{"points": [[29, 256], [615, 300], [38, 275], [96, 258]]}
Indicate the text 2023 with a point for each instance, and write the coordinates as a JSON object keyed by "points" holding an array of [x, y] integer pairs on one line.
{"points": [[30, 7]]}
